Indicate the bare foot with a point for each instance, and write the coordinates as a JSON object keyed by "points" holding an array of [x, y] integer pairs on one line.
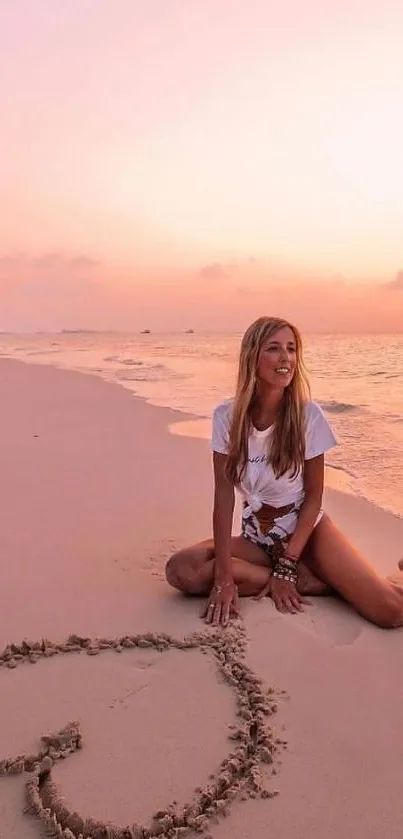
{"points": [[397, 579], [309, 584]]}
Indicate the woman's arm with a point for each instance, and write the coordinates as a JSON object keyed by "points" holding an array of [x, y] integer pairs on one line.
{"points": [[223, 513], [314, 471], [283, 582], [223, 600]]}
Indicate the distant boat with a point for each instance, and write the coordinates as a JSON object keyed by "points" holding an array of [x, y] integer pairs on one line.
{"points": [[146, 332], [189, 331]]}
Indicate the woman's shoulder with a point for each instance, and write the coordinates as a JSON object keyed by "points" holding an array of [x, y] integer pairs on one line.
{"points": [[221, 426], [319, 435], [313, 410], [223, 410]]}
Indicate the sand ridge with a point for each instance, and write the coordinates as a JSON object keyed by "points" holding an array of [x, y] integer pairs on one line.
{"points": [[238, 776]]}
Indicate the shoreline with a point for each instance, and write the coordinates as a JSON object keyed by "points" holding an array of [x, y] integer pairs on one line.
{"points": [[96, 494], [193, 426]]}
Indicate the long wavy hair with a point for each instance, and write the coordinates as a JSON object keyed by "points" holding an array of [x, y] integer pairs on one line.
{"points": [[287, 442]]}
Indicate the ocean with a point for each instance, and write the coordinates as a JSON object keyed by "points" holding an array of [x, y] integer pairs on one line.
{"points": [[358, 381]]}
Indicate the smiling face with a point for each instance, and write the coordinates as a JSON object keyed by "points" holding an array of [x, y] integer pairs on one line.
{"points": [[277, 359]]}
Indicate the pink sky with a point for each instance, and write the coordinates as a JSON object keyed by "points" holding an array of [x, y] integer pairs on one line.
{"points": [[199, 162]]}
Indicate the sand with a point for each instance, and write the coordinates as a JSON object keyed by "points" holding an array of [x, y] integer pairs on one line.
{"points": [[286, 726]]}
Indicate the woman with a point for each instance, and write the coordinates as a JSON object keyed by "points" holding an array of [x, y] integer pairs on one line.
{"points": [[269, 444]]}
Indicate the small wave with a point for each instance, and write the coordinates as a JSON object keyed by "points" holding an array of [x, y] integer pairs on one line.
{"points": [[384, 374], [128, 362], [337, 468], [155, 373], [334, 407], [22, 349], [131, 362], [44, 352]]}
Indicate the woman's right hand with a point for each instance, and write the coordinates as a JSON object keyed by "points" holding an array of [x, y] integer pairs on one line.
{"points": [[223, 603]]}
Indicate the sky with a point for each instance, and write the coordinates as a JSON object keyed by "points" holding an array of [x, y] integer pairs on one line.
{"points": [[196, 163]]}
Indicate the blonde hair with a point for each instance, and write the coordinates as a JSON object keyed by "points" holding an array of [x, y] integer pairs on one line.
{"points": [[287, 443]]}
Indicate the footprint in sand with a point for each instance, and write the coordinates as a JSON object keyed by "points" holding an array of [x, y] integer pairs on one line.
{"points": [[326, 617], [334, 620]]}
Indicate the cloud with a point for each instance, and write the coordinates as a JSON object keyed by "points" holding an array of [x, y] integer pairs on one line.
{"points": [[214, 271], [58, 265], [48, 291], [52, 266], [234, 269], [251, 272], [53, 291], [397, 283], [246, 291]]}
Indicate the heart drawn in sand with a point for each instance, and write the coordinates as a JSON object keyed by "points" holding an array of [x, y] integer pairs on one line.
{"points": [[239, 774]]}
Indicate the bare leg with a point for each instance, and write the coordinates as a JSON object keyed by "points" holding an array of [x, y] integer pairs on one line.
{"points": [[192, 570], [335, 561]]}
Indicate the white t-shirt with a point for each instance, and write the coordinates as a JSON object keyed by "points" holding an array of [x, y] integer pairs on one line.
{"points": [[259, 484]]}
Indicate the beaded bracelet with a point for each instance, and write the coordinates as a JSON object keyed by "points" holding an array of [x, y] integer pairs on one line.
{"points": [[286, 569]]}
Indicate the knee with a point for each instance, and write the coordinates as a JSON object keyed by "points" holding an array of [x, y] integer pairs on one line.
{"points": [[172, 572], [181, 574], [186, 573]]}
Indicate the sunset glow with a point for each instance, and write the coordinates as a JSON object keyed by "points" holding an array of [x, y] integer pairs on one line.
{"points": [[201, 162]]}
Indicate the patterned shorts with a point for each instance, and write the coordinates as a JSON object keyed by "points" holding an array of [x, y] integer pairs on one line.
{"points": [[270, 540]]}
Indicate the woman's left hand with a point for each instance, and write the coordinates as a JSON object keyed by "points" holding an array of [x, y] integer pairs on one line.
{"points": [[285, 596]]}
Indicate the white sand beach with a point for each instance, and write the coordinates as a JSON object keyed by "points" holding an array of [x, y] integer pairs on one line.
{"points": [[95, 495]]}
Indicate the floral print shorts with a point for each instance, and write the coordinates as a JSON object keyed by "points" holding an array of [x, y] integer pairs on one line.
{"points": [[269, 530]]}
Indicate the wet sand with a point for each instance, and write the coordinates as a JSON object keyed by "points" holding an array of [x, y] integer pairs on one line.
{"points": [[287, 723]]}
